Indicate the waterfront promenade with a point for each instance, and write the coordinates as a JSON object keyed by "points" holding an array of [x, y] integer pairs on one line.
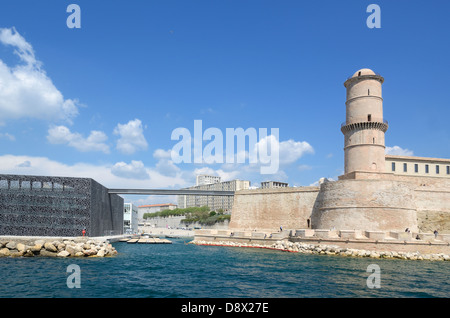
{"points": [[349, 242]]}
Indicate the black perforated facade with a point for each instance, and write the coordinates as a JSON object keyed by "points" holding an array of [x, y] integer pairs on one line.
{"points": [[58, 206]]}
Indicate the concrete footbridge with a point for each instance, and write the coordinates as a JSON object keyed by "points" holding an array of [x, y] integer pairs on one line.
{"points": [[170, 192]]}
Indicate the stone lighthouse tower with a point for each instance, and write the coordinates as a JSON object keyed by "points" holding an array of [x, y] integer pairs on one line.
{"points": [[364, 128]]}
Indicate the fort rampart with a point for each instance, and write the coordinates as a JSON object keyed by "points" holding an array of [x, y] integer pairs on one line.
{"points": [[371, 202]]}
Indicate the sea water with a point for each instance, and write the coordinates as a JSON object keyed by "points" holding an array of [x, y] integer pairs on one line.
{"points": [[182, 270]]}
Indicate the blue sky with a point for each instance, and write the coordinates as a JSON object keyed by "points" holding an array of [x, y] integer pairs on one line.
{"points": [[102, 101]]}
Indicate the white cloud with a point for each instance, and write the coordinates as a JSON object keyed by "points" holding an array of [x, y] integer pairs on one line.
{"points": [[94, 142], [134, 170], [165, 164], [25, 89], [42, 166], [162, 154], [131, 137], [224, 175], [7, 136], [24, 164], [291, 151], [398, 151]]}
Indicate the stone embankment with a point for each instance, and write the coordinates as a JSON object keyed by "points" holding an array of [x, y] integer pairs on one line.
{"points": [[56, 248], [322, 249]]}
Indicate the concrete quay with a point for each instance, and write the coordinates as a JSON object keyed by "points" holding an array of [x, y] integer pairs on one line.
{"points": [[144, 240], [420, 245], [165, 232]]}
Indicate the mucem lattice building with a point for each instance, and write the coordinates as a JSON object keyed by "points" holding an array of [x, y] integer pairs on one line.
{"points": [[58, 206]]}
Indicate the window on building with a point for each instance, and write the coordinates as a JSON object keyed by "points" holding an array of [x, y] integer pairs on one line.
{"points": [[405, 167], [416, 167], [393, 166], [369, 117], [427, 170], [437, 169], [448, 169]]}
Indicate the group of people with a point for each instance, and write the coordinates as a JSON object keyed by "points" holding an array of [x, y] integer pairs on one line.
{"points": [[436, 233]]}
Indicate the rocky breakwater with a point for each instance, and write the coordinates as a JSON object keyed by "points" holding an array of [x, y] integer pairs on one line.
{"points": [[322, 249], [56, 248]]}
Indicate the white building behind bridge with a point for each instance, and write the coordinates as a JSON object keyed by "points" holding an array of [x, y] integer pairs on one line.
{"points": [[130, 218], [214, 202], [152, 208]]}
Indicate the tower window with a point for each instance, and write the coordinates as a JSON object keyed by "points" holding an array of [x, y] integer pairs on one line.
{"points": [[448, 169], [416, 168], [437, 169], [369, 117], [359, 73], [405, 167], [427, 169], [368, 91], [393, 166]]}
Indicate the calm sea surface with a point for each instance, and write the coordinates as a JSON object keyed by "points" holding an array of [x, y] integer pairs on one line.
{"points": [[182, 270]]}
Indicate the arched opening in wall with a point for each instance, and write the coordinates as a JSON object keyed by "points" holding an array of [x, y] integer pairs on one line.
{"points": [[359, 73], [369, 117], [373, 140], [308, 222], [374, 166], [368, 91]]}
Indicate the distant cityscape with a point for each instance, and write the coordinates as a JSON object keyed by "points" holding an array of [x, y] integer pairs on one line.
{"points": [[134, 215]]}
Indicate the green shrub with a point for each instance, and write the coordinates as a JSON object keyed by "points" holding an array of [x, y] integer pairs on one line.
{"points": [[203, 215]]}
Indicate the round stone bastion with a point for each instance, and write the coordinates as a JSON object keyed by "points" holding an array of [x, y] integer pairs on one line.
{"points": [[374, 205]]}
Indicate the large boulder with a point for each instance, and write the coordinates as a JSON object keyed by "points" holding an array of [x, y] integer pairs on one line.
{"points": [[90, 252], [4, 252], [50, 247], [45, 252], [63, 254], [11, 245], [71, 249], [36, 248], [21, 247], [60, 247], [101, 253]]}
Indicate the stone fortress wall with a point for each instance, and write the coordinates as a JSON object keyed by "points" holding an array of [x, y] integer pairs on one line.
{"points": [[418, 203], [268, 209]]}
